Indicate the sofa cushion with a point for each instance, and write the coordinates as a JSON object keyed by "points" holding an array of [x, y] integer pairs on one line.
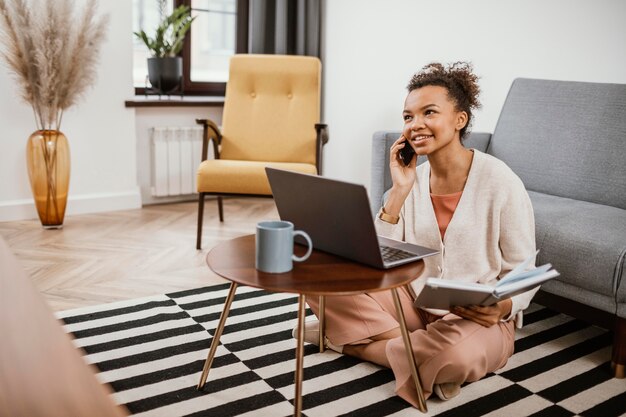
{"points": [[565, 138], [584, 241]]}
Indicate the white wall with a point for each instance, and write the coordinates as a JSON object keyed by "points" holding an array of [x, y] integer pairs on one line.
{"points": [[100, 131], [371, 50], [373, 47]]}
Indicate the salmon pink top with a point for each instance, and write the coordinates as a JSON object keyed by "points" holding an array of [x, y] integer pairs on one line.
{"points": [[444, 206]]}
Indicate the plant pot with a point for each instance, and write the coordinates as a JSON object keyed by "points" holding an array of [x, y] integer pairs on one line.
{"points": [[48, 160], [165, 74]]}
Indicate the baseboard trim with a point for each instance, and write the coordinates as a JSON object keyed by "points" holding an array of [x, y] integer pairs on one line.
{"points": [[14, 210]]}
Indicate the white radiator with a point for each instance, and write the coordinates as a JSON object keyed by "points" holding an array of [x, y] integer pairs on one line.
{"points": [[176, 154]]}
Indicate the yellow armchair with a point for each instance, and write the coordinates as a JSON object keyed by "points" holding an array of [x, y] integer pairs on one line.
{"points": [[271, 118]]}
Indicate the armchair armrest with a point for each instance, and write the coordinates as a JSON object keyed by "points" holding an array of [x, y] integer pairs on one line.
{"points": [[322, 139], [211, 133]]}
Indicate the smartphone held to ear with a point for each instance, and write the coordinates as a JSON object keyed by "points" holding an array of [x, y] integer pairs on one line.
{"points": [[406, 153]]}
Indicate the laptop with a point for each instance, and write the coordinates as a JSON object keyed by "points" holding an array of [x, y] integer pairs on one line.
{"points": [[337, 216]]}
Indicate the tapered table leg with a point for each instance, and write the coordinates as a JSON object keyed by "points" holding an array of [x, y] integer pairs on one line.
{"points": [[411, 292], [421, 401], [216, 338], [297, 400], [322, 322]]}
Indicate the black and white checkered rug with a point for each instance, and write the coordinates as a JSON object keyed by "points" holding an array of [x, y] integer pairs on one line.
{"points": [[151, 352]]}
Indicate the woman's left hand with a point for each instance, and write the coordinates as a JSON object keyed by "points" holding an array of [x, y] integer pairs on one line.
{"points": [[485, 316]]}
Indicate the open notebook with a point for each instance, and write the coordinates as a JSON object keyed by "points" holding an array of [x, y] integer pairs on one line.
{"points": [[443, 294]]}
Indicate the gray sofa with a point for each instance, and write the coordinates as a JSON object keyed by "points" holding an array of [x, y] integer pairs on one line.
{"points": [[567, 142]]}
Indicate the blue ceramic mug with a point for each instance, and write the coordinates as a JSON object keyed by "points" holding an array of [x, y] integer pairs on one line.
{"points": [[274, 246]]}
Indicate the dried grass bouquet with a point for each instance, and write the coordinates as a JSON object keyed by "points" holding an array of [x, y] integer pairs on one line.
{"points": [[52, 51]]}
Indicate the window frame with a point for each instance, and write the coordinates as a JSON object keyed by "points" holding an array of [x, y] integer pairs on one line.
{"points": [[197, 88]]}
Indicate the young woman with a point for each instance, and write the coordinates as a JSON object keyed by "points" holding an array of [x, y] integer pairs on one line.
{"points": [[472, 207]]}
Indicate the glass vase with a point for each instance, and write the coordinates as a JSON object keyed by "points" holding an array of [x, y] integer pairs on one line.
{"points": [[48, 160]]}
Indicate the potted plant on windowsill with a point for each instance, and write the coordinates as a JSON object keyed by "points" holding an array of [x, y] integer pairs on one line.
{"points": [[165, 68]]}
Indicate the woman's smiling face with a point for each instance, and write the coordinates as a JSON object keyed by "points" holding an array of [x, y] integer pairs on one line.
{"points": [[431, 120]]}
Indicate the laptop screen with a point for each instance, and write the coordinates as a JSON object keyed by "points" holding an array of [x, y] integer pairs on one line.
{"points": [[335, 214]]}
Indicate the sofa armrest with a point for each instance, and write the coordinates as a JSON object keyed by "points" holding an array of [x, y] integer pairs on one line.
{"points": [[478, 140], [380, 176]]}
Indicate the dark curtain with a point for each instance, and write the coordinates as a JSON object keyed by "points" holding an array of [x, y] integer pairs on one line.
{"points": [[286, 27]]}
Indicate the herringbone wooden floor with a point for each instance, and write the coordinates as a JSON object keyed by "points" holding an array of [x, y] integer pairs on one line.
{"points": [[105, 257]]}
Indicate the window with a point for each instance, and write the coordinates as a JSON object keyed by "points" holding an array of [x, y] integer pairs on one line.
{"points": [[213, 39], [146, 15], [219, 30]]}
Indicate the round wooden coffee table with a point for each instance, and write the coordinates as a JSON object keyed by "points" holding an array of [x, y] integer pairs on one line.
{"points": [[321, 275]]}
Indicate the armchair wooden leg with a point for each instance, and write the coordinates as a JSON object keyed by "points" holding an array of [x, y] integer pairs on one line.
{"points": [[200, 214], [220, 207]]}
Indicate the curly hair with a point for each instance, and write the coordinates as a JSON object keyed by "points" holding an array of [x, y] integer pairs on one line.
{"points": [[460, 81]]}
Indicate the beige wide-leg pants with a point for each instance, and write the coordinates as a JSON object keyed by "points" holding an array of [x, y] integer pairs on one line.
{"points": [[447, 349]]}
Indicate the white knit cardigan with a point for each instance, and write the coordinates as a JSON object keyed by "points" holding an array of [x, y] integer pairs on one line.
{"points": [[492, 229]]}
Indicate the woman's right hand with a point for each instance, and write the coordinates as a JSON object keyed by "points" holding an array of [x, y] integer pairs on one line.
{"points": [[402, 176]]}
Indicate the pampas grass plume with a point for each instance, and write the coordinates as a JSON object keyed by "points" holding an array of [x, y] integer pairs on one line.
{"points": [[53, 59]]}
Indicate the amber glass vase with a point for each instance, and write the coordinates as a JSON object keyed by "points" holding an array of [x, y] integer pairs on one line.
{"points": [[48, 159]]}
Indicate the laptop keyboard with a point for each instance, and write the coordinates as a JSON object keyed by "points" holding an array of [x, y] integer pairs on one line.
{"points": [[393, 254]]}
